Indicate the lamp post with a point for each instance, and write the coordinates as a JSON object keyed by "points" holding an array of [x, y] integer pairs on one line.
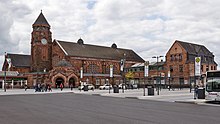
{"points": [[122, 68], [5, 74], [146, 68], [111, 77], [157, 57]]}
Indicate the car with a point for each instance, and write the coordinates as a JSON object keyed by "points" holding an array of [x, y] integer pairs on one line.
{"points": [[90, 87], [105, 87], [131, 86], [120, 86]]}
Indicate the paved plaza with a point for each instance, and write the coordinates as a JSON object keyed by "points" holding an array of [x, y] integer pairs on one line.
{"points": [[176, 95]]}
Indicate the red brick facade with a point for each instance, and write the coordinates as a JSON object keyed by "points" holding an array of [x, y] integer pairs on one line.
{"points": [[180, 63], [51, 63]]}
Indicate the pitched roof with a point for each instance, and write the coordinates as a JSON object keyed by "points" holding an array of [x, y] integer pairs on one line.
{"points": [[195, 48], [101, 52], [19, 60], [41, 20]]}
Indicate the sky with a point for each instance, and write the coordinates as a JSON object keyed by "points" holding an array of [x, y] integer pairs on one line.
{"points": [[149, 27]]}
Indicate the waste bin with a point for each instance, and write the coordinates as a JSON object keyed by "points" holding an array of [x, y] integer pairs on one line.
{"points": [[150, 91], [85, 88], [116, 89], [201, 93]]}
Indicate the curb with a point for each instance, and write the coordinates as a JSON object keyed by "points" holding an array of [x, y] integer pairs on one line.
{"points": [[189, 102], [96, 94], [132, 97]]}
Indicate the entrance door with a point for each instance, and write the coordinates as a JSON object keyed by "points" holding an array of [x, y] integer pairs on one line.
{"points": [[59, 81], [72, 82]]}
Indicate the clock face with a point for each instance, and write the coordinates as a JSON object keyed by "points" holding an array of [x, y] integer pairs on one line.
{"points": [[43, 41]]}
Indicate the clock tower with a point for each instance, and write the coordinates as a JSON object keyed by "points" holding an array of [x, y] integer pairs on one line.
{"points": [[41, 45]]}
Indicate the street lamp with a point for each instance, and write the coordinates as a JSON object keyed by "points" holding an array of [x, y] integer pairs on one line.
{"points": [[5, 74], [122, 69], [157, 57]]}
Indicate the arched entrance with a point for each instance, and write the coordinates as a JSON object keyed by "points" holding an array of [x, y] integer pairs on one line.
{"points": [[72, 82], [58, 82]]}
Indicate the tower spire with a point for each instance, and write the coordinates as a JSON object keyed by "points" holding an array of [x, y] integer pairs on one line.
{"points": [[41, 21]]}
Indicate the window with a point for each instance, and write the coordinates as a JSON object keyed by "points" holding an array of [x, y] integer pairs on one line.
{"points": [[93, 68], [207, 68], [180, 57], [103, 69], [171, 68], [97, 81], [171, 57], [181, 68], [177, 57]]}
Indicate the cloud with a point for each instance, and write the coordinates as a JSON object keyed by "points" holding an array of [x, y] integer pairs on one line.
{"points": [[149, 27]]}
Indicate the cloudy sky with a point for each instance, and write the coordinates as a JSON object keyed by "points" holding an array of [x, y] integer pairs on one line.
{"points": [[149, 27]]}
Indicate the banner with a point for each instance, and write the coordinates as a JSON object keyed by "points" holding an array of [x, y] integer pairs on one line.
{"points": [[122, 65], [111, 70], [168, 75], [146, 68], [197, 66], [81, 72]]}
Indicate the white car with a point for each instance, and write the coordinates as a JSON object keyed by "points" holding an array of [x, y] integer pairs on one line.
{"points": [[105, 87], [120, 86], [90, 87]]}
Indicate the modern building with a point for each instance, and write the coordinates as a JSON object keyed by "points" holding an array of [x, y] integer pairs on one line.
{"points": [[156, 74], [68, 62]]}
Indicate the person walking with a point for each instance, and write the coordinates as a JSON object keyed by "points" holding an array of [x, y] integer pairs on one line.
{"points": [[49, 88], [25, 87], [71, 86], [61, 86]]}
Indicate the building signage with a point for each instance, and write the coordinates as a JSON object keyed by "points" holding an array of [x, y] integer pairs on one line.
{"points": [[146, 68], [197, 66]]}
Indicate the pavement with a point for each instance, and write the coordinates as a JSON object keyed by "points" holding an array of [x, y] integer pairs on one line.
{"points": [[180, 96]]}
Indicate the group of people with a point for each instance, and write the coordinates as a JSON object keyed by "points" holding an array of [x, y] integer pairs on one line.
{"points": [[42, 87], [47, 87]]}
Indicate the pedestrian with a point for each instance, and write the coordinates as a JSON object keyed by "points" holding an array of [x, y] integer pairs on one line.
{"points": [[39, 87], [49, 88], [196, 90], [46, 88], [43, 87], [61, 86], [71, 86], [25, 87]]}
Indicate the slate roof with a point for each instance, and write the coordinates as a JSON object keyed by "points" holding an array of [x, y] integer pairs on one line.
{"points": [[195, 48], [41, 20], [63, 63], [19, 60], [100, 52]]}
